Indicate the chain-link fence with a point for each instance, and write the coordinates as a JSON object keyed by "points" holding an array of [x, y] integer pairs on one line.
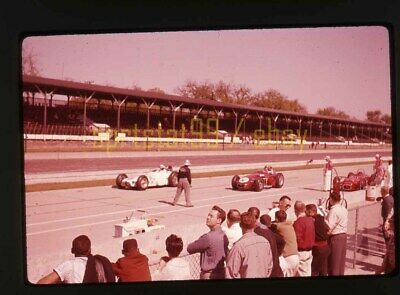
{"points": [[194, 265], [365, 243]]}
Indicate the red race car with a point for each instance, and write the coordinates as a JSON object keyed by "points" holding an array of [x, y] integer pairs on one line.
{"points": [[258, 180], [351, 182]]}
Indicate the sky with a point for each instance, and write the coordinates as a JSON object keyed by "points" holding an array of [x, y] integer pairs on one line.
{"points": [[347, 68]]}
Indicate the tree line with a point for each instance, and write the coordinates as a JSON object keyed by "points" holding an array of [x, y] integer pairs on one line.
{"points": [[227, 93]]}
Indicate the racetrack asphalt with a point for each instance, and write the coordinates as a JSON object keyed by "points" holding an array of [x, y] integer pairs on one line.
{"points": [[100, 161]]}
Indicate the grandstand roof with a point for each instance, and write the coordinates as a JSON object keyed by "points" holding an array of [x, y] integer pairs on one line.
{"points": [[71, 88]]}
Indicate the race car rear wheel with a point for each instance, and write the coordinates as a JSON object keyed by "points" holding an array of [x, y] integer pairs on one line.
{"points": [[119, 179], [258, 185], [235, 179], [173, 179], [142, 183], [279, 180]]}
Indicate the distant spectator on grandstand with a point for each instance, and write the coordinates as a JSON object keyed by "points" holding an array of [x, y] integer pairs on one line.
{"points": [[289, 260], [320, 250], [134, 266], [212, 246], [250, 256], [285, 202], [172, 267], [83, 268], [305, 235], [233, 230]]}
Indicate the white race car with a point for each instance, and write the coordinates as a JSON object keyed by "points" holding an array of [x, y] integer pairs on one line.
{"points": [[161, 176]]}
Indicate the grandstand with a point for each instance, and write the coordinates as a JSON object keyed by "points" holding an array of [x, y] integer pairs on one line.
{"points": [[64, 108]]}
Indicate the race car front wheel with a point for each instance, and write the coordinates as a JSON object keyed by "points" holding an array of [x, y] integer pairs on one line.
{"points": [[142, 183], [258, 185], [119, 180], [279, 180]]}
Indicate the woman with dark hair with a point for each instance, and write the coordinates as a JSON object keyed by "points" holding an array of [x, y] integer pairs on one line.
{"points": [[172, 267]]}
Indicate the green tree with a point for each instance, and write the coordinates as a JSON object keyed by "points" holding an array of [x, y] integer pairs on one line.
{"points": [[374, 116], [332, 112], [273, 99], [29, 62], [387, 119]]}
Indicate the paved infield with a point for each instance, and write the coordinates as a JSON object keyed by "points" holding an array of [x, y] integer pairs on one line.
{"points": [[54, 218]]}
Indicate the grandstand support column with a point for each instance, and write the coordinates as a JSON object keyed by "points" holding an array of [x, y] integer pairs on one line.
{"points": [[218, 113], [310, 123], [276, 133], [299, 120], [320, 130], [381, 133], [86, 100], [149, 106], [260, 117], [340, 126], [44, 93], [119, 104], [330, 129], [236, 118], [362, 131], [375, 132], [174, 110]]}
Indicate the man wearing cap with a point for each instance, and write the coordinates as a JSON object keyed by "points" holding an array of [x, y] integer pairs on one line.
{"points": [[184, 183], [134, 266], [327, 173]]}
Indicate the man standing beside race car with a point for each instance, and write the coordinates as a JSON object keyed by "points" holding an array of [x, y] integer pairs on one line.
{"points": [[327, 174], [184, 183]]}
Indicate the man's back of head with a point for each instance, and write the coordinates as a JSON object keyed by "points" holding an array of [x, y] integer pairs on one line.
{"points": [[335, 197], [130, 247], [266, 220], [233, 216], [280, 216], [247, 222], [81, 246], [299, 208], [255, 211]]}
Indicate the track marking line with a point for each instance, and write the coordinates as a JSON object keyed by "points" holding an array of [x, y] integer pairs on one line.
{"points": [[162, 212]]}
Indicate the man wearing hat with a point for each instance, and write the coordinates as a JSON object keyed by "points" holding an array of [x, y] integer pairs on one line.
{"points": [[327, 173], [184, 183]]}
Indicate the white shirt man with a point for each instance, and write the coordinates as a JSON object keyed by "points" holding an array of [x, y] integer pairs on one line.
{"points": [[233, 230]]}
